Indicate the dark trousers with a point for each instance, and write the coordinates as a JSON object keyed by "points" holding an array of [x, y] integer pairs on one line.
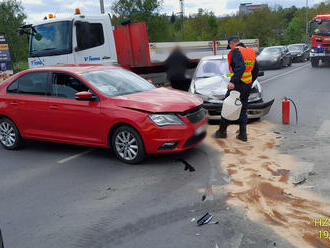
{"points": [[244, 89], [180, 84]]}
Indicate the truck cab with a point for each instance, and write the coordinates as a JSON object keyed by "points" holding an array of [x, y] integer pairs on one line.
{"points": [[74, 40], [320, 30]]}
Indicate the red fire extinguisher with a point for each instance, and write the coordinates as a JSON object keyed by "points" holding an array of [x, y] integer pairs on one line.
{"points": [[285, 110]]}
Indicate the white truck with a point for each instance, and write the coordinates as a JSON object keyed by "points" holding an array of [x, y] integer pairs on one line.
{"points": [[81, 39]]}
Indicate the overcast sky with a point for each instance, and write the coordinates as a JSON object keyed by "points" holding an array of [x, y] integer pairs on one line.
{"points": [[37, 9]]}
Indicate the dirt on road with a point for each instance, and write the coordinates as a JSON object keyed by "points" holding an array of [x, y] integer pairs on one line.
{"points": [[260, 183]]}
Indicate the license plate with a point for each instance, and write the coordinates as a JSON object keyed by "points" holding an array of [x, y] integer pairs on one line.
{"points": [[200, 130]]}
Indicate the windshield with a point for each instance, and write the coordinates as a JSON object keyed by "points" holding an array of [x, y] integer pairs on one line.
{"points": [[271, 50], [51, 39], [295, 48], [212, 68], [322, 28], [117, 82]]}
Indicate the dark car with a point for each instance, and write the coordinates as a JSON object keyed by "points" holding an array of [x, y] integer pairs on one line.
{"points": [[1, 241], [299, 52], [274, 57]]}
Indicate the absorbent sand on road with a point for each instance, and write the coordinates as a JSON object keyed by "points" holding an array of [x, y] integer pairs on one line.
{"points": [[260, 183]]}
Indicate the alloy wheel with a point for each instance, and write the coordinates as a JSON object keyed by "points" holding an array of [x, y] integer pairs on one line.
{"points": [[126, 145], [7, 134]]}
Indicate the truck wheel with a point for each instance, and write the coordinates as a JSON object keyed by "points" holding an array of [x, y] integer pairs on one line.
{"points": [[127, 144], [315, 62], [10, 138]]}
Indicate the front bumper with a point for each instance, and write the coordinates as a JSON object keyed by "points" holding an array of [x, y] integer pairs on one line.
{"points": [[255, 110], [269, 64], [322, 55], [185, 137]]}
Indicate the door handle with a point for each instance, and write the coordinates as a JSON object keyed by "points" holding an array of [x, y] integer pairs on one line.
{"points": [[13, 104], [55, 107], [106, 57]]}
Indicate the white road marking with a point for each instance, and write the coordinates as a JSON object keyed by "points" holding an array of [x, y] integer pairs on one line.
{"points": [[324, 129], [283, 74], [62, 161]]}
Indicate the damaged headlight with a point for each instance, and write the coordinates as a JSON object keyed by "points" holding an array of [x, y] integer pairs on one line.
{"points": [[255, 95], [166, 120]]}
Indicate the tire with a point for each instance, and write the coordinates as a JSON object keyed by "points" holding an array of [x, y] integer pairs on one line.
{"points": [[314, 62], [290, 63], [10, 137], [126, 141], [281, 65]]}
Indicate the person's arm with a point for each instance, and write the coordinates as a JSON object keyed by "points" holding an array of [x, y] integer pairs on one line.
{"points": [[238, 66], [255, 71]]}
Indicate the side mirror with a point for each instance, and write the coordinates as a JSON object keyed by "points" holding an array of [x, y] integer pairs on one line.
{"points": [[85, 96], [261, 73]]}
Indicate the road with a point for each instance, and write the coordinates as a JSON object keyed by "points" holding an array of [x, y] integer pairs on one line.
{"points": [[54, 195]]}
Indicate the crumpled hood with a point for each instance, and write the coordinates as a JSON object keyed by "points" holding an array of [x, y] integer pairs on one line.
{"points": [[213, 87], [159, 100]]}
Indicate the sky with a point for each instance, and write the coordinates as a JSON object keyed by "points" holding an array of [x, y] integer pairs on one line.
{"points": [[37, 9]]}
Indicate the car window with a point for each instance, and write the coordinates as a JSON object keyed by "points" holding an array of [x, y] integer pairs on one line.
{"points": [[66, 86], [34, 83], [212, 68], [13, 88], [89, 35]]}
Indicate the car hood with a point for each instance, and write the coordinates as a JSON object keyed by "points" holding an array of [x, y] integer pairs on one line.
{"points": [[266, 57], [296, 52], [214, 88], [159, 100]]}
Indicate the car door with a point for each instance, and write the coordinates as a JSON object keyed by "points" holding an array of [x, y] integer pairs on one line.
{"points": [[91, 42], [28, 100], [74, 121]]}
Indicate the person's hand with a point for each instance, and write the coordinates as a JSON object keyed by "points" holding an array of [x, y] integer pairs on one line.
{"points": [[231, 86]]}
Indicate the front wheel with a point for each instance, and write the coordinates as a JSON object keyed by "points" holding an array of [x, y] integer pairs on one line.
{"points": [[127, 144], [10, 138], [314, 62]]}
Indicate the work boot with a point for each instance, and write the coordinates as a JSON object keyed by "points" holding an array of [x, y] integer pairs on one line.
{"points": [[222, 132], [242, 133]]}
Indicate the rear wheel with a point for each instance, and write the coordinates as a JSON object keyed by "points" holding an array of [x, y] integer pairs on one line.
{"points": [[314, 62], [10, 138], [128, 145]]}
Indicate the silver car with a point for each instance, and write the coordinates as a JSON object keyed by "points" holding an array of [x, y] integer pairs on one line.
{"points": [[210, 82]]}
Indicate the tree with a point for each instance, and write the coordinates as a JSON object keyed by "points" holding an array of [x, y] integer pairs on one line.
{"points": [[142, 10], [11, 18]]}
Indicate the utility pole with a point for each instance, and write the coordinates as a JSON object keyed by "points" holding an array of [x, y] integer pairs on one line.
{"points": [[306, 21], [102, 6], [182, 17]]}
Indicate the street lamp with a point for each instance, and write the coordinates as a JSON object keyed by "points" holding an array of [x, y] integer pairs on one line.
{"points": [[102, 6], [306, 21]]}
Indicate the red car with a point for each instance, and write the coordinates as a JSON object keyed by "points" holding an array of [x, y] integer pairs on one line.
{"points": [[100, 106]]}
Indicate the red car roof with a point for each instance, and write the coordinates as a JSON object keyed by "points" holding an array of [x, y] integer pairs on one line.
{"points": [[78, 69]]}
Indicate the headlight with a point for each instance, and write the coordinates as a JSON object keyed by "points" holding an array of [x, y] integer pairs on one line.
{"points": [[255, 96], [166, 120], [275, 58], [299, 54]]}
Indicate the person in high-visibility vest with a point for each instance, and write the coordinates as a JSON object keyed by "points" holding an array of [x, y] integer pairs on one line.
{"points": [[243, 71]]}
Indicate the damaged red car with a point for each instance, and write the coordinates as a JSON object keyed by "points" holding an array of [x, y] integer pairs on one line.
{"points": [[99, 106]]}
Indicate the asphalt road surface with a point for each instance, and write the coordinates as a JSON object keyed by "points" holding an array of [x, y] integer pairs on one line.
{"points": [[54, 195]]}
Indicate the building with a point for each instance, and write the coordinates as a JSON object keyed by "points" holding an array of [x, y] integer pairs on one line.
{"points": [[247, 8]]}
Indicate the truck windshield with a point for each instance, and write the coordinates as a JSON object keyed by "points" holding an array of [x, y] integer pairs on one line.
{"points": [[322, 28], [117, 82], [52, 39]]}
